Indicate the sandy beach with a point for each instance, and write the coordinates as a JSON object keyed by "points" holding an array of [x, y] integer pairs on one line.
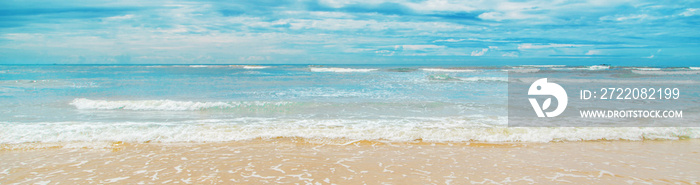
{"points": [[286, 160]]}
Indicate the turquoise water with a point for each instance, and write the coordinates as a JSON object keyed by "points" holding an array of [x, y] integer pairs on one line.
{"points": [[198, 103]]}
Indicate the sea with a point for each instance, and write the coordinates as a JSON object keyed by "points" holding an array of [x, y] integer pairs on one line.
{"points": [[229, 103]]}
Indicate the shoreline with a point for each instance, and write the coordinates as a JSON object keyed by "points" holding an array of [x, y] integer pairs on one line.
{"points": [[289, 160], [118, 145]]}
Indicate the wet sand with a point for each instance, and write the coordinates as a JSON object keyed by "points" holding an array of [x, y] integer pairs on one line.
{"points": [[334, 162]]}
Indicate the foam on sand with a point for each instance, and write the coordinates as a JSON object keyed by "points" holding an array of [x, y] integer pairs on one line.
{"points": [[164, 105], [339, 70]]}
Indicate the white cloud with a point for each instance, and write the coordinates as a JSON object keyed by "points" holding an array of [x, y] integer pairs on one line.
{"points": [[372, 25], [489, 40], [626, 17], [254, 58], [441, 5], [535, 46], [593, 52], [513, 15], [325, 14], [480, 52], [517, 10], [385, 52], [123, 17], [450, 40], [185, 31], [510, 54], [690, 12], [497, 16], [418, 47]]}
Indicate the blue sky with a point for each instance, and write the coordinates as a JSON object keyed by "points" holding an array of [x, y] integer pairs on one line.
{"points": [[357, 32]]}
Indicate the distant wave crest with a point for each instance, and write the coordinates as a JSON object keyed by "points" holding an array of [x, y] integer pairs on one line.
{"points": [[249, 66], [339, 70], [451, 70]]}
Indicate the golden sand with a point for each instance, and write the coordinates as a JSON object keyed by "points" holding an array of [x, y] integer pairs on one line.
{"points": [[321, 162]]}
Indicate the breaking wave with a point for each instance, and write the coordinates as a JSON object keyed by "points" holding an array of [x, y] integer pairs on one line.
{"points": [[449, 129], [339, 70]]}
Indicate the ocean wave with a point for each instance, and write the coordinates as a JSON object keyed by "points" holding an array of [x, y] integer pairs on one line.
{"points": [[522, 70], [199, 66], [599, 67], [393, 130], [647, 68], [660, 72], [444, 77], [694, 68], [168, 105], [478, 79], [250, 66], [543, 66], [339, 70], [609, 81], [451, 70], [37, 83], [170, 66], [187, 66], [591, 68], [402, 69]]}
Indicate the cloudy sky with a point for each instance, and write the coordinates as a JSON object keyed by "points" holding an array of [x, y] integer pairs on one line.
{"points": [[356, 32]]}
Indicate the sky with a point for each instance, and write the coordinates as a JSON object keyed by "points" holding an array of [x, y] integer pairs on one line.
{"points": [[624, 32]]}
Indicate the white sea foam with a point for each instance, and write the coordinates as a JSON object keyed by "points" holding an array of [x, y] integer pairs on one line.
{"points": [[447, 70], [255, 67], [451, 129], [660, 72], [204, 66], [166, 105], [445, 77], [198, 66], [599, 67], [522, 70], [249, 66], [592, 68], [543, 66], [647, 68], [611, 81], [339, 70], [477, 79]]}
